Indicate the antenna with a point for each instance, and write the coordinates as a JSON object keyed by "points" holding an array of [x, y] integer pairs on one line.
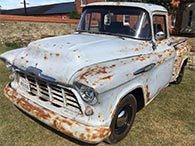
{"points": [[25, 10]]}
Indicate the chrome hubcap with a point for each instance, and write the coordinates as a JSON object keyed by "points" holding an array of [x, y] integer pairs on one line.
{"points": [[122, 119]]}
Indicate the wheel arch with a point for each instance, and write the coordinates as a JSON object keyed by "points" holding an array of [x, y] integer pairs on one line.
{"points": [[139, 96], [185, 61], [138, 93]]}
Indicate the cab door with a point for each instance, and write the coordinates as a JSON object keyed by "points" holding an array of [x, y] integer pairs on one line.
{"points": [[165, 52]]}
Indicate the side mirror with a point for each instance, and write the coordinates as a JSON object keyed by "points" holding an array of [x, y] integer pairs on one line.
{"points": [[108, 19], [160, 35]]}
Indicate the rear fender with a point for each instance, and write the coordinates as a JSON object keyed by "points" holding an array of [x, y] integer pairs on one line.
{"points": [[182, 55]]}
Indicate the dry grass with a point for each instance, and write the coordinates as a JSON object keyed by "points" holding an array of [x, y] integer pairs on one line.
{"points": [[191, 41], [168, 121]]}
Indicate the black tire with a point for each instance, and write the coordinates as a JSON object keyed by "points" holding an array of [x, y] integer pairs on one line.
{"points": [[123, 119], [180, 76]]}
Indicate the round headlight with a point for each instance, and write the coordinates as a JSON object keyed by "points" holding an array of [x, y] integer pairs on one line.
{"points": [[88, 94]]}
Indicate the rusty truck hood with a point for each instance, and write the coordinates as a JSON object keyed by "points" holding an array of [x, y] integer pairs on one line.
{"points": [[61, 57]]}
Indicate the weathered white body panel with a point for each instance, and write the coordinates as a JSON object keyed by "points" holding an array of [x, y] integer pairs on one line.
{"points": [[68, 54]]}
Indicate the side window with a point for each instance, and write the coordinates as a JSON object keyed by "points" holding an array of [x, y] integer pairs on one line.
{"points": [[92, 22], [159, 24], [190, 18]]}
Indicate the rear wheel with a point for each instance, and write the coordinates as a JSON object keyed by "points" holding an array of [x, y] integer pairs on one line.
{"points": [[180, 76], [123, 119]]}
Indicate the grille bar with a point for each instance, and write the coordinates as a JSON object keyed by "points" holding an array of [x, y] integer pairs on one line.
{"points": [[57, 95]]}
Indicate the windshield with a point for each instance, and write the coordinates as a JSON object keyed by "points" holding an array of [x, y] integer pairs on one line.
{"points": [[119, 21]]}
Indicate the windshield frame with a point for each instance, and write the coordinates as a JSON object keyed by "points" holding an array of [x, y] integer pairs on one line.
{"points": [[118, 8]]}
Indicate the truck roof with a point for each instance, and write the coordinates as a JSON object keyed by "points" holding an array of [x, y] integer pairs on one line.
{"points": [[147, 6]]}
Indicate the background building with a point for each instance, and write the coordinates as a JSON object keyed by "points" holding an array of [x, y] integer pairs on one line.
{"points": [[188, 20], [55, 10]]}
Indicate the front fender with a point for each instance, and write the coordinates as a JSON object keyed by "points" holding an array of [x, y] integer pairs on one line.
{"points": [[109, 75]]}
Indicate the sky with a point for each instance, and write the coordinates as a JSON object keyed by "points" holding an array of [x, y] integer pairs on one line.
{"points": [[12, 4]]}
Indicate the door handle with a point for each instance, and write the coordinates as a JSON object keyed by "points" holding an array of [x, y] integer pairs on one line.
{"points": [[144, 69]]}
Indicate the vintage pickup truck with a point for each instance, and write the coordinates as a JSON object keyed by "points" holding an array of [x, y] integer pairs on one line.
{"points": [[90, 84]]}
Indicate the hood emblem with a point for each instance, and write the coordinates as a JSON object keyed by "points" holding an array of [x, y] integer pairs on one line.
{"points": [[38, 73]]}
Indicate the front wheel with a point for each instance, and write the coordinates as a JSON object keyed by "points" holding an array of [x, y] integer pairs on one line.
{"points": [[123, 119]]}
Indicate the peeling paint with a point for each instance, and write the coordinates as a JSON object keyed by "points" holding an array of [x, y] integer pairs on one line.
{"points": [[182, 53], [45, 57], [102, 78], [136, 49], [140, 58], [147, 93], [57, 54], [36, 64]]}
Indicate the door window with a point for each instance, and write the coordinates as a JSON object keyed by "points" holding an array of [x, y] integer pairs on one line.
{"points": [[159, 24]]}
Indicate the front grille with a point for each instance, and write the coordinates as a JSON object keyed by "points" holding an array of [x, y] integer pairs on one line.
{"points": [[57, 95]]}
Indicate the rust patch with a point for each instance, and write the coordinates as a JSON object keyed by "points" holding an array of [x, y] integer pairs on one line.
{"points": [[82, 77], [141, 58], [149, 55], [57, 54], [112, 66], [99, 115], [67, 122], [106, 78], [135, 49], [58, 125], [93, 71], [170, 52], [82, 136], [100, 133], [147, 93], [145, 44], [103, 78], [161, 61], [80, 69], [40, 113], [158, 43], [160, 55], [45, 57], [36, 64]]}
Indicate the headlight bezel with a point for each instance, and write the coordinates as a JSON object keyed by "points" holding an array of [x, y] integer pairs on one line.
{"points": [[87, 93]]}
